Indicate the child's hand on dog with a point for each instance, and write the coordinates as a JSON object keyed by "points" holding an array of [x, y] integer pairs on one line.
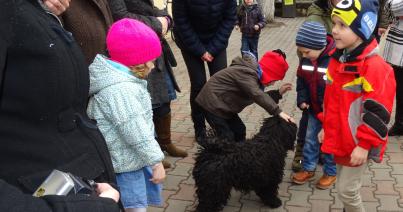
{"points": [[286, 117], [158, 173]]}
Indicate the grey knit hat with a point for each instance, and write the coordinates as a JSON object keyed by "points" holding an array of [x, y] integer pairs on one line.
{"points": [[311, 35]]}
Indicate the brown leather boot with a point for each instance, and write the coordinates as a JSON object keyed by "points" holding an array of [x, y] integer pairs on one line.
{"points": [[166, 164], [163, 130], [326, 182], [302, 177]]}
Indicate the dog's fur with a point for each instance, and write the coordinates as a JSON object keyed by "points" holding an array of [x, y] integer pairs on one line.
{"points": [[256, 164]]}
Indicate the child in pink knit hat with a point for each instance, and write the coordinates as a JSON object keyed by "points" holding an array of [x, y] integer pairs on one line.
{"points": [[121, 104]]}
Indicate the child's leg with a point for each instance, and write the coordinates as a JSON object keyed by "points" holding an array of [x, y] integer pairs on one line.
{"points": [[237, 127], [329, 166], [311, 149], [244, 44], [297, 161], [348, 187], [219, 125], [310, 152], [253, 45]]}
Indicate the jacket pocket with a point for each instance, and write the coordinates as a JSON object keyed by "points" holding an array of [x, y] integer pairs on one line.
{"points": [[83, 166]]}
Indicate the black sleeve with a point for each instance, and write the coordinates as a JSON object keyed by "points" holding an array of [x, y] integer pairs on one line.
{"points": [[261, 19], [184, 29], [13, 200], [275, 95], [220, 41], [120, 11], [7, 13], [302, 92]]}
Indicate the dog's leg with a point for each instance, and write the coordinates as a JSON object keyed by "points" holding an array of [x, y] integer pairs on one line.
{"points": [[269, 196], [212, 197]]}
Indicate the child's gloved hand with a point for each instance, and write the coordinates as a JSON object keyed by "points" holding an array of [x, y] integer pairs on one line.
{"points": [[286, 117], [158, 173], [284, 88]]}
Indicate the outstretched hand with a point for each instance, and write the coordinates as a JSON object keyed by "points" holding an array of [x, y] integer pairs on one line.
{"points": [[285, 88]]}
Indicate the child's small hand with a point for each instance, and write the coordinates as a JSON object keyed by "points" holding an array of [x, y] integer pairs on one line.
{"points": [[256, 27], [158, 173], [358, 156], [321, 136], [107, 191], [304, 106], [284, 88], [236, 27], [207, 57], [164, 24]]}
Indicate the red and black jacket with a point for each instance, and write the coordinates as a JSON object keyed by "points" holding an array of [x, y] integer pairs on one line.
{"points": [[360, 90]]}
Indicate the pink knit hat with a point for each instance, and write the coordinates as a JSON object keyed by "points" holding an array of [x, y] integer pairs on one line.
{"points": [[131, 42]]}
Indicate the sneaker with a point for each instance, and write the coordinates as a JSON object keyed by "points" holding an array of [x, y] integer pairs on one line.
{"points": [[326, 182], [302, 177]]}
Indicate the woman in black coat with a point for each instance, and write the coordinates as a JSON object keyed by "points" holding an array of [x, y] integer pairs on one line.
{"points": [[43, 98], [202, 29]]}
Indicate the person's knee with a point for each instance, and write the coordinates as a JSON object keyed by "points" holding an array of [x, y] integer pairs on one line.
{"points": [[346, 194]]}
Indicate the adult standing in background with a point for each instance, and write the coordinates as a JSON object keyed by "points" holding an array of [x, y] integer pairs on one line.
{"points": [[88, 21], [161, 80], [43, 99], [202, 30]]}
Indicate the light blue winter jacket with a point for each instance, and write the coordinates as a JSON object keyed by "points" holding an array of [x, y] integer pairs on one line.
{"points": [[121, 105]]}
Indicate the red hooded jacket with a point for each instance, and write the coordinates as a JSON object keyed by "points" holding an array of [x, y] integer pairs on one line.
{"points": [[359, 94]]}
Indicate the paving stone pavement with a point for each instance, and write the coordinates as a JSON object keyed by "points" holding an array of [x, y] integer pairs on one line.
{"points": [[382, 184]]}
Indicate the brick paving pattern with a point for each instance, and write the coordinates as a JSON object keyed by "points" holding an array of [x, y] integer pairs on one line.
{"points": [[382, 184]]}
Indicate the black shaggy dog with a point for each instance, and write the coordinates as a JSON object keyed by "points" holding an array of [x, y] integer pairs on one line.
{"points": [[257, 164]]}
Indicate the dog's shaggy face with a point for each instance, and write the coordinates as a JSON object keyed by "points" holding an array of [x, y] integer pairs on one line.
{"points": [[256, 164]]}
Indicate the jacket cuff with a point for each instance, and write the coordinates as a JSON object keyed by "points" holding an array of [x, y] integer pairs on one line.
{"points": [[365, 145], [276, 111]]}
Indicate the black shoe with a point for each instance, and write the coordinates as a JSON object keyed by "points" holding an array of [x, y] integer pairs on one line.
{"points": [[396, 130]]}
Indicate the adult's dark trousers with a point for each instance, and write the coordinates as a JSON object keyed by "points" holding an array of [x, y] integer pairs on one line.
{"points": [[197, 75], [232, 128], [399, 96]]}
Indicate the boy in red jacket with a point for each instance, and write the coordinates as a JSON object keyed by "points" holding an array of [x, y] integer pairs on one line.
{"points": [[358, 98]]}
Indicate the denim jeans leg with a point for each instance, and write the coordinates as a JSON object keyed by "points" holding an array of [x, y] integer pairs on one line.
{"points": [[329, 166], [245, 44], [253, 45], [311, 147]]}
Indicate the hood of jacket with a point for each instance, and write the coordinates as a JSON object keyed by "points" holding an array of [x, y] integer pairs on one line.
{"points": [[105, 72], [245, 60]]}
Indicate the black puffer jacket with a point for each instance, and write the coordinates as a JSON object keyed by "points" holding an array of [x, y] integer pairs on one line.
{"points": [[248, 17], [43, 100], [202, 25]]}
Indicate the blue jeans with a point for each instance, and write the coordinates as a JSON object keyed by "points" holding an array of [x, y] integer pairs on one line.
{"points": [[311, 150], [250, 44]]}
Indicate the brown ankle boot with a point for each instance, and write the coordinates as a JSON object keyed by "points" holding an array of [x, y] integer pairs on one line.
{"points": [[163, 130], [166, 164], [174, 151], [302, 177], [326, 182]]}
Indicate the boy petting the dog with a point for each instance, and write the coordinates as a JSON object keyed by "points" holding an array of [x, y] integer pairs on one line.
{"points": [[360, 90], [314, 44], [230, 90]]}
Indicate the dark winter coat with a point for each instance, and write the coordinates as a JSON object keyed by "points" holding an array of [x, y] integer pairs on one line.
{"points": [[146, 12], [311, 80], [248, 17], [13, 200], [89, 21], [44, 92], [202, 25], [230, 90]]}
